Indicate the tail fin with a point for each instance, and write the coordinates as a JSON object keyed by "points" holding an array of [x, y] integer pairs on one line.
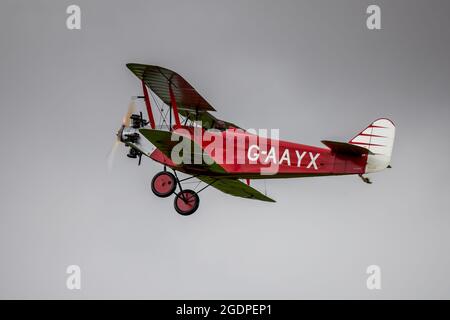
{"points": [[378, 137]]}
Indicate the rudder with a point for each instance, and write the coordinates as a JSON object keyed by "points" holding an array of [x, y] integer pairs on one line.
{"points": [[378, 137]]}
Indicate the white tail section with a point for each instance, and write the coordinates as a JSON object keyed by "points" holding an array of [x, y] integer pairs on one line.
{"points": [[378, 137]]}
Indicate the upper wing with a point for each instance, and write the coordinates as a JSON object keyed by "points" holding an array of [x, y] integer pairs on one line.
{"points": [[235, 188], [190, 103], [159, 79]]}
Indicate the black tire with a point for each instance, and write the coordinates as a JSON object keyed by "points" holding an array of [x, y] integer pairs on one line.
{"points": [[186, 207], [168, 183]]}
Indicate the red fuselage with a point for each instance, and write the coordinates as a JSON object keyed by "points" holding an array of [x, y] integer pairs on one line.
{"points": [[240, 154]]}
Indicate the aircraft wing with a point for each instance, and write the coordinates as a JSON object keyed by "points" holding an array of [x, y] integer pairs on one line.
{"points": [[208, 120], [235, 188], [190, 103], [163, 141], [160, 139], [159, 79]]}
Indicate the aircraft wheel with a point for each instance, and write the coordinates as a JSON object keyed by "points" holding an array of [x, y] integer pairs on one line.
{"points": [[163, 184], [186, 202]]}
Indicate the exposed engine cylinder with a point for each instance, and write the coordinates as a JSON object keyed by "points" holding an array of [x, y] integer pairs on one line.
{"points": [[137, 121], [129, 134], [133, 153]]}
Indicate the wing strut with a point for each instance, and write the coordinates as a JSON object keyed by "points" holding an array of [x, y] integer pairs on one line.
{"points": [[148, 105], [173, 103]]}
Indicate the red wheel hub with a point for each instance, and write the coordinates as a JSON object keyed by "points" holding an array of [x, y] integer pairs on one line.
{"points": [[186, 202], [163, 183]]}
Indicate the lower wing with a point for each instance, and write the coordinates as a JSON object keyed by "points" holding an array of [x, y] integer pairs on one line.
{"points": [[235, 188]]}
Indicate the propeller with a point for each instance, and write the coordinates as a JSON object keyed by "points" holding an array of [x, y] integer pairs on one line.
{"points": [[126, 119], [125, 123]]}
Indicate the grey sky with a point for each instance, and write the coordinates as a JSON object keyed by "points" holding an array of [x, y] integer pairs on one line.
{"points": [[310, 68]]}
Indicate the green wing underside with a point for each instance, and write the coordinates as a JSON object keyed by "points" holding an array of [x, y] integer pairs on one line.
{"points": [[159, 80], [207, 119], [235, 188], [162, 140]]}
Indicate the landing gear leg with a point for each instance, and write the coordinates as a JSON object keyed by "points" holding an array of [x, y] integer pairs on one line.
{"points": [[186, 201]]}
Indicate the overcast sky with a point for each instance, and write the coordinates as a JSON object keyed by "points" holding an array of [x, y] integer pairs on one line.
{"points": [[310, 68]]}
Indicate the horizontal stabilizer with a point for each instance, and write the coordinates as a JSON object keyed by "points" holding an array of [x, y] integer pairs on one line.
{"points": [[345, 148]]}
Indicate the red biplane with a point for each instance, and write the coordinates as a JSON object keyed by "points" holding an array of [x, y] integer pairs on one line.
{"points": [[236, 154]]}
